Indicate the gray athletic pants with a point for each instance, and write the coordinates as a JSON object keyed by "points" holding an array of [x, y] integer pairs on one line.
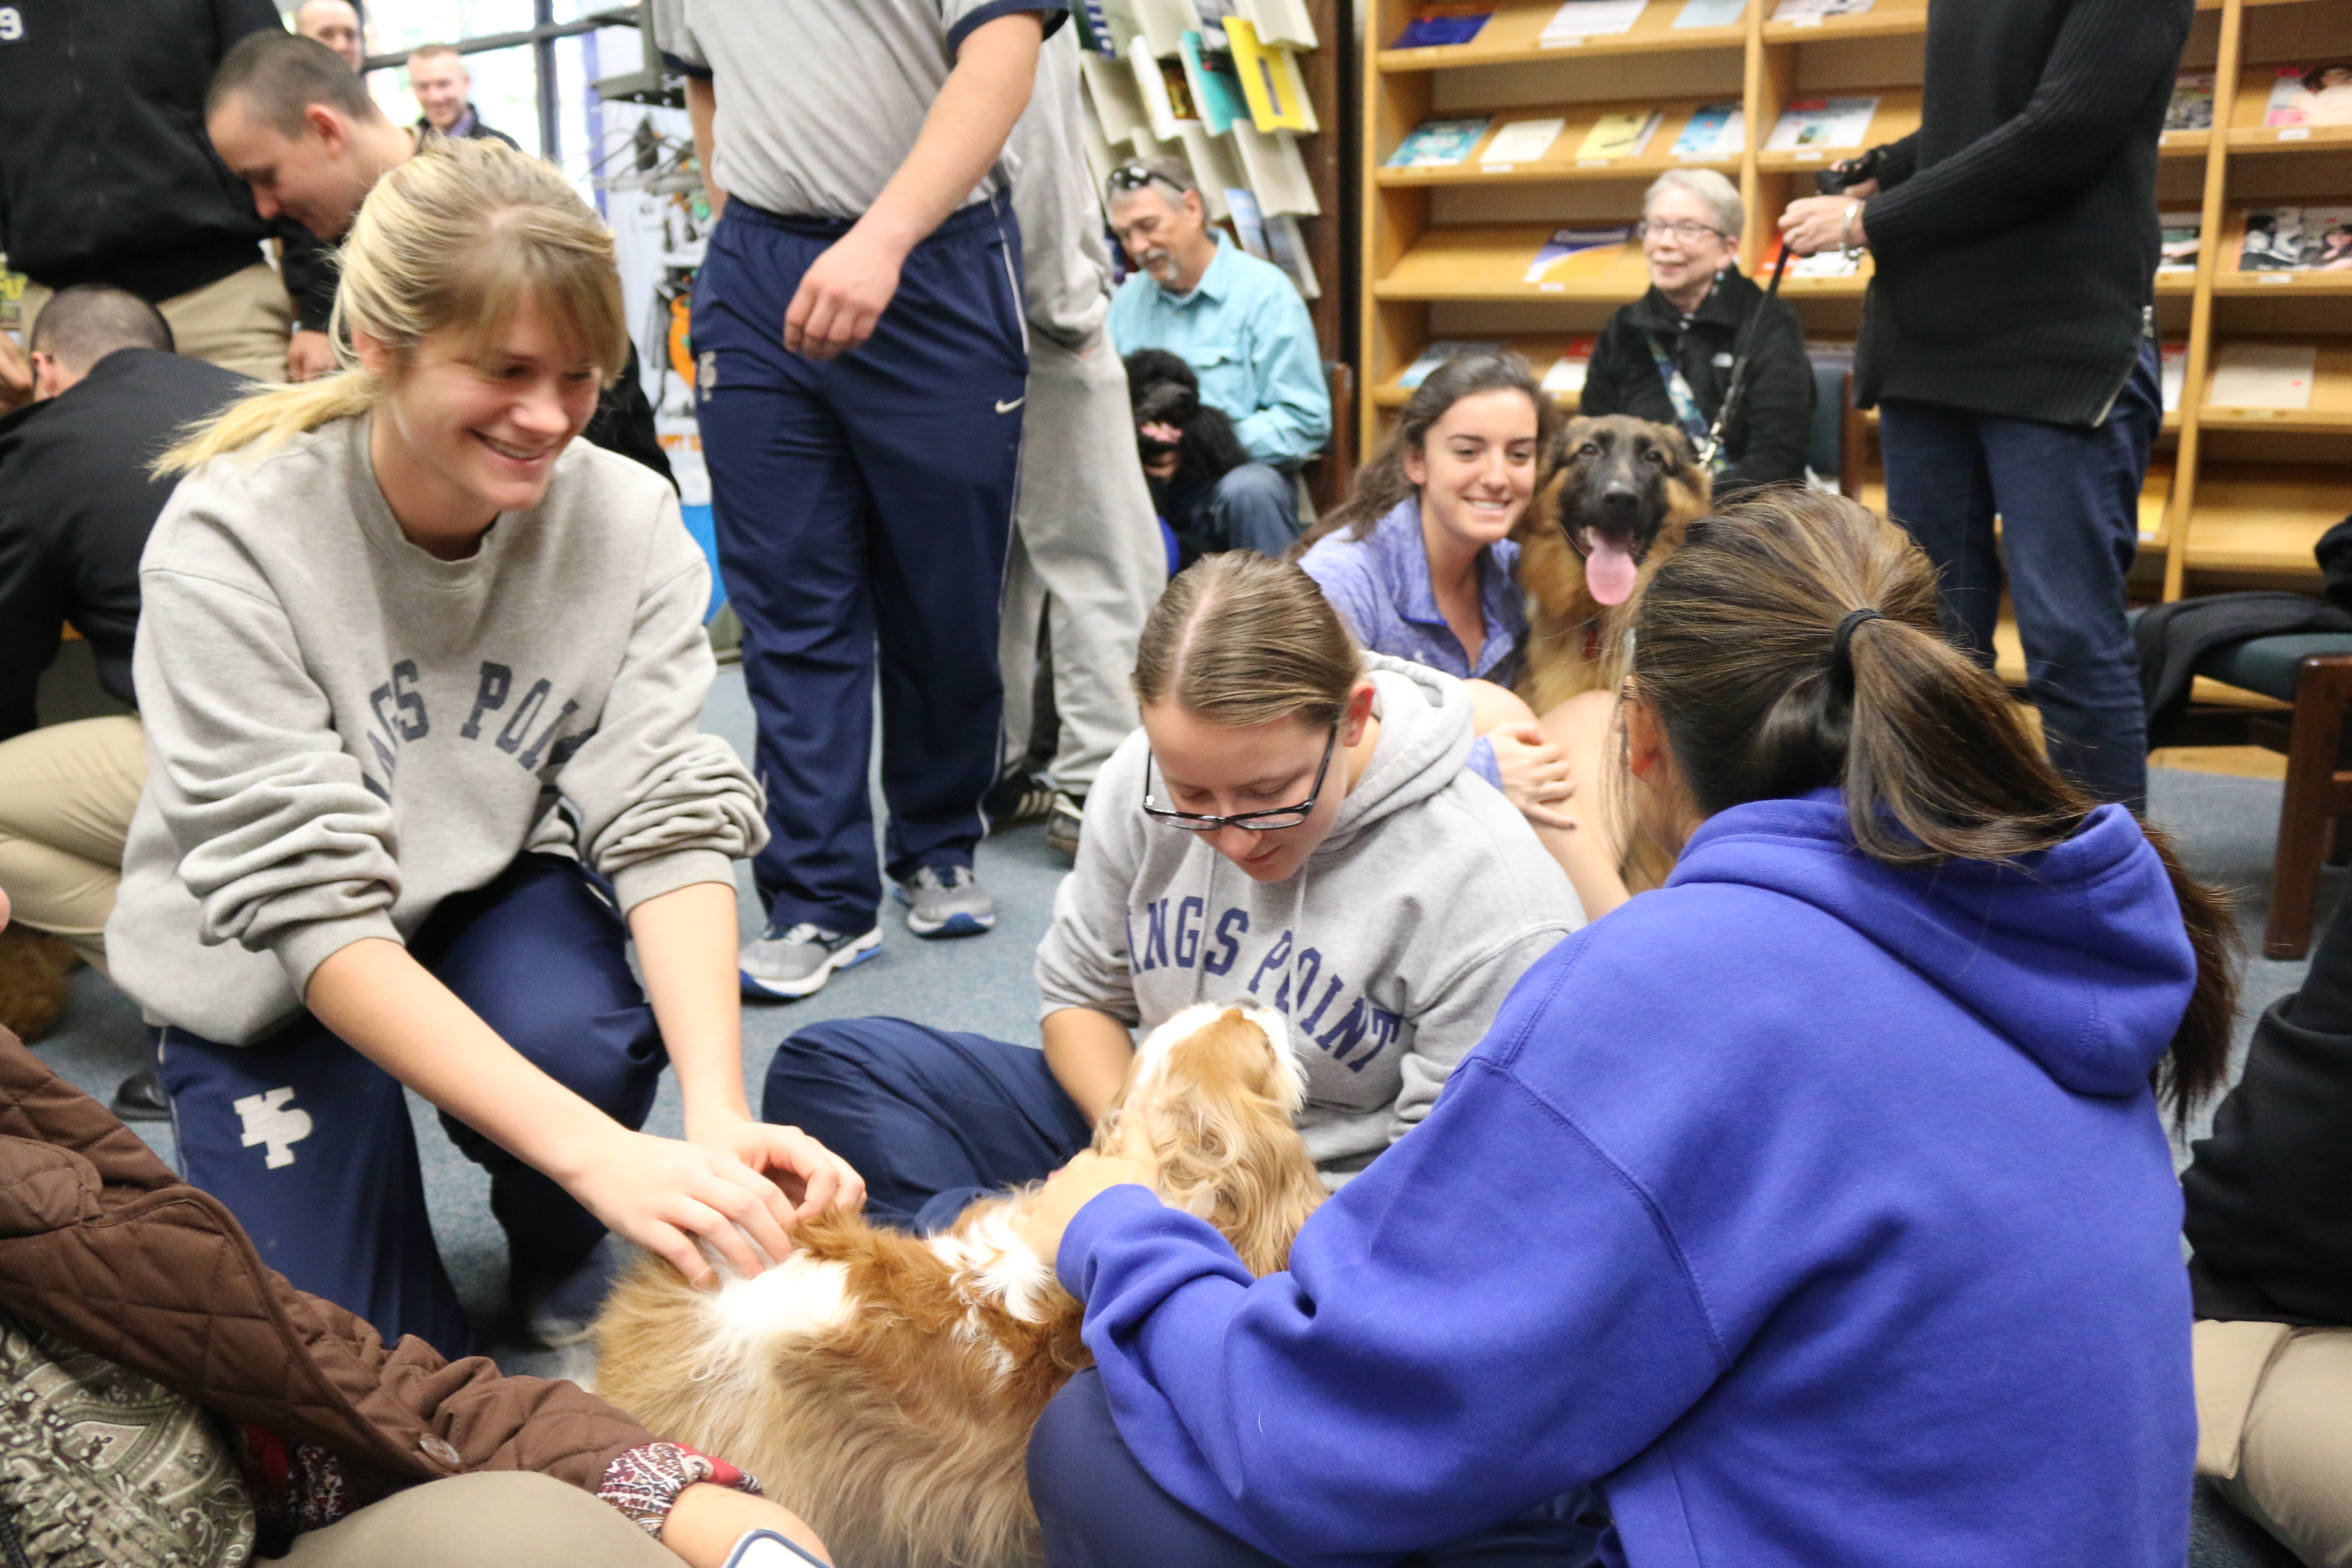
{"points": [[1085, 554]]}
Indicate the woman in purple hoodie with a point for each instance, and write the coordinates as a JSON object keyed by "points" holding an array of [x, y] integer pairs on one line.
{"points": [[1816, 1208]]}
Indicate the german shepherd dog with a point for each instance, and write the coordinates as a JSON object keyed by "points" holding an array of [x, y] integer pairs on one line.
{"points": [[1627, 490], [883, 1386]]}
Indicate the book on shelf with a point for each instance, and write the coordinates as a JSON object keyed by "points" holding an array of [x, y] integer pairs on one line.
{"points": [[1093, 22], [2191, 108], [1271, 82], [1166, 99], [2172, 373], [2319, 94], [2263, 375], [1577, 20], [1815, 10], [2297, 240], [1437, 353], [1443, 27], [1438, 143], [1272, 167], [2181, 233], [1565, 243], [1289, 248], [1280, 22], [1216, 89], [1810, 123], [1214, 171], [1523, 141], [1564, 377], [1249, 224], [1715, 131], [1621, 135], [1711, 12]]}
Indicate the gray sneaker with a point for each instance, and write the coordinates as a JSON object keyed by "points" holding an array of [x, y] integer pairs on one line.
{"points": [[946, 901], [1062, 822], [794, 964]]}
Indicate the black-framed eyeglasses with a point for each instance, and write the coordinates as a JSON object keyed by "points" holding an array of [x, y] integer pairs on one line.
{"points": [[1687, 230], [1249, 821]]}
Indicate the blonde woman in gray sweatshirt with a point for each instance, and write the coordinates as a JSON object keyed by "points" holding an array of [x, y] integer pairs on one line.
{"points": [[422, 677], [1293, 826]]}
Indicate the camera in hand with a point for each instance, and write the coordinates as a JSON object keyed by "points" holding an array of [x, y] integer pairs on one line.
{"points": [[1838, 178]]}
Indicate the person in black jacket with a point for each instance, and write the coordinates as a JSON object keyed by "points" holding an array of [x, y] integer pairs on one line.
{"points": [[2269, 1211], [76, 506], [105, 176], [2008, 338], [291, 118], [1669, 355]]}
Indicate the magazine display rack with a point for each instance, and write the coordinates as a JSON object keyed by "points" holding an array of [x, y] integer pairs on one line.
{"points": [[1448, 243]]}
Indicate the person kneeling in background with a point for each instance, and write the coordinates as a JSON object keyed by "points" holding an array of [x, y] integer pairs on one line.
{"points": [[76, 505]]}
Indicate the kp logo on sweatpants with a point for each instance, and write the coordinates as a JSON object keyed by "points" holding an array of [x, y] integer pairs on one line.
{"points": [[271, 1121]]}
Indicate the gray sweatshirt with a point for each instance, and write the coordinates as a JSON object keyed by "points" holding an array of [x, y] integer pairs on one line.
{"points": [[1389, 951], [344, 730]]}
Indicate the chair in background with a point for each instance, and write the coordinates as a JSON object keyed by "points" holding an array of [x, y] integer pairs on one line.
{"points": [[1841, 434], [1330, 474]]}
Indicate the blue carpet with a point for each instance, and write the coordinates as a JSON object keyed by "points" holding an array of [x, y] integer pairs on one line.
{"points": [[2224, 827]]}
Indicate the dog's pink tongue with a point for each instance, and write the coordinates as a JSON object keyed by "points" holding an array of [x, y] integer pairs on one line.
{"points": [[1609, 573]]}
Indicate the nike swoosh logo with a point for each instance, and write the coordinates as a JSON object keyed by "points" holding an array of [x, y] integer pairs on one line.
{"points": [[1009, 407]]}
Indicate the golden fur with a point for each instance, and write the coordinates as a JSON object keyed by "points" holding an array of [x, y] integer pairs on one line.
{"points": [[1575, 644], [883, 1386]]}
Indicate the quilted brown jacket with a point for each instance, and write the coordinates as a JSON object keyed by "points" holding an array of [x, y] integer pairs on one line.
{"points": [[105, 1248]]}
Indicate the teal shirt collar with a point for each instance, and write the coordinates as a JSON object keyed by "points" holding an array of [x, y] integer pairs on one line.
{"points": [[1214, 282]]}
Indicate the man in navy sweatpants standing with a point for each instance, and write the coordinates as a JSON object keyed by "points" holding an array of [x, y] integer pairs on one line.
{"points": [[861, 356]]}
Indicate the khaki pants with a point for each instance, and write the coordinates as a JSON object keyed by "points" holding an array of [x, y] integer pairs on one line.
{"points": [[67, 791], [239, 322], [2274, 1431], [500, 1519]]}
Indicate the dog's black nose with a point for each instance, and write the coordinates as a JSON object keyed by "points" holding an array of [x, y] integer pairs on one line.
{"points": [[1620, 498]]}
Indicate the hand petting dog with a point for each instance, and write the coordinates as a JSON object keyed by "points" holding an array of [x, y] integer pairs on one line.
{"points": [[1535, 773], [1083, 1180]]}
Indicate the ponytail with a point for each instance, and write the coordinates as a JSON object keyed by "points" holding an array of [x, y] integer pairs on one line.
{"points": [[454, 240], [1769, 678]]}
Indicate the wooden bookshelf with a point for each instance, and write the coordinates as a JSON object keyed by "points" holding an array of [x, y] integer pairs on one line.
{"points": [[2235, 497]]}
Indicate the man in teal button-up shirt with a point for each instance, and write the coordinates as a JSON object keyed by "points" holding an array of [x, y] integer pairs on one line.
{"points": [[1236, 320]]}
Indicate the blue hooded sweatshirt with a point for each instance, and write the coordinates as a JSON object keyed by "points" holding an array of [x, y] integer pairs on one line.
{"points": [[1819, 1211]]}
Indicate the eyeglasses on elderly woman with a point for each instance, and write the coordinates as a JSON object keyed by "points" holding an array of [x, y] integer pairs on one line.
{"points": [[1690, 231]]}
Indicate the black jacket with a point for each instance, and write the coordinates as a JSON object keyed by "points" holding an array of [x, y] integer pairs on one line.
{"points": [[76, 506], [1771, 430], [2269, 1195], [2016, 237], [475, 131], [106, 174]]}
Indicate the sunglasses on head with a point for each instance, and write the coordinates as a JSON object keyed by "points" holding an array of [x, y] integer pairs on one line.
{"points": [[1128, 178]]}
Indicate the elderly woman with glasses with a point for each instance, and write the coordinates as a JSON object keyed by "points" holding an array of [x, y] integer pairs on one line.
{"points": [[1293, 824], [1669, 355]]}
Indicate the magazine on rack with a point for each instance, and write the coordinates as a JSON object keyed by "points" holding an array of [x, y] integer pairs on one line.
{"points": [[1578, 20], [2297, 240], [1438, 143], [1441, 30], [1815, 10], [2191, 108], [2317, 94], [1715, 131], [2181, 232], [1626, 135], [1523, 141], [1822, 122], [1567, 242]]}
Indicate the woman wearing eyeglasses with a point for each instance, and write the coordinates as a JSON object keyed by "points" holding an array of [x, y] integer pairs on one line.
{"points": [[1667, 356], [1293, 825]]}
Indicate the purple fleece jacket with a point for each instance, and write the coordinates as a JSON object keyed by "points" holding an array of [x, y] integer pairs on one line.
{"points": [[1817, 1210]]}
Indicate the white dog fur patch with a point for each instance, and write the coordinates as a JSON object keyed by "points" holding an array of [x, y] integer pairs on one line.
{"points": [[1151, 1060]]}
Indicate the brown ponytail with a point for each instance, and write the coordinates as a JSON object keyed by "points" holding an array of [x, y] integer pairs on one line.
{"points": [[1734, 648]]}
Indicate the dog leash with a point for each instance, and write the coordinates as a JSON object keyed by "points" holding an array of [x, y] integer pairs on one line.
{"points": [[1739, 363]]}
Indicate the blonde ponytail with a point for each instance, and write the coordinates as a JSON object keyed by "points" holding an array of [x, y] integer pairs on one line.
{"points": [[454, 238]]}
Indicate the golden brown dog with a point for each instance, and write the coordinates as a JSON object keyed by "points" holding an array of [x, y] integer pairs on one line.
{"points": [[883, 1386], [1627, 489]]}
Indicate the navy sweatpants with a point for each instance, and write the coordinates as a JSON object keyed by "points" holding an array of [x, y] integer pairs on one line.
{"points": [[2069, 503], [1102, 1509], [310, 1145], [864, 507], [931, 1118]]}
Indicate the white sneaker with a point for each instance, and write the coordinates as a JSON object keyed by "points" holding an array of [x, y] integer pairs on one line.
{"points": [[797, 962], [946, 901]]}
